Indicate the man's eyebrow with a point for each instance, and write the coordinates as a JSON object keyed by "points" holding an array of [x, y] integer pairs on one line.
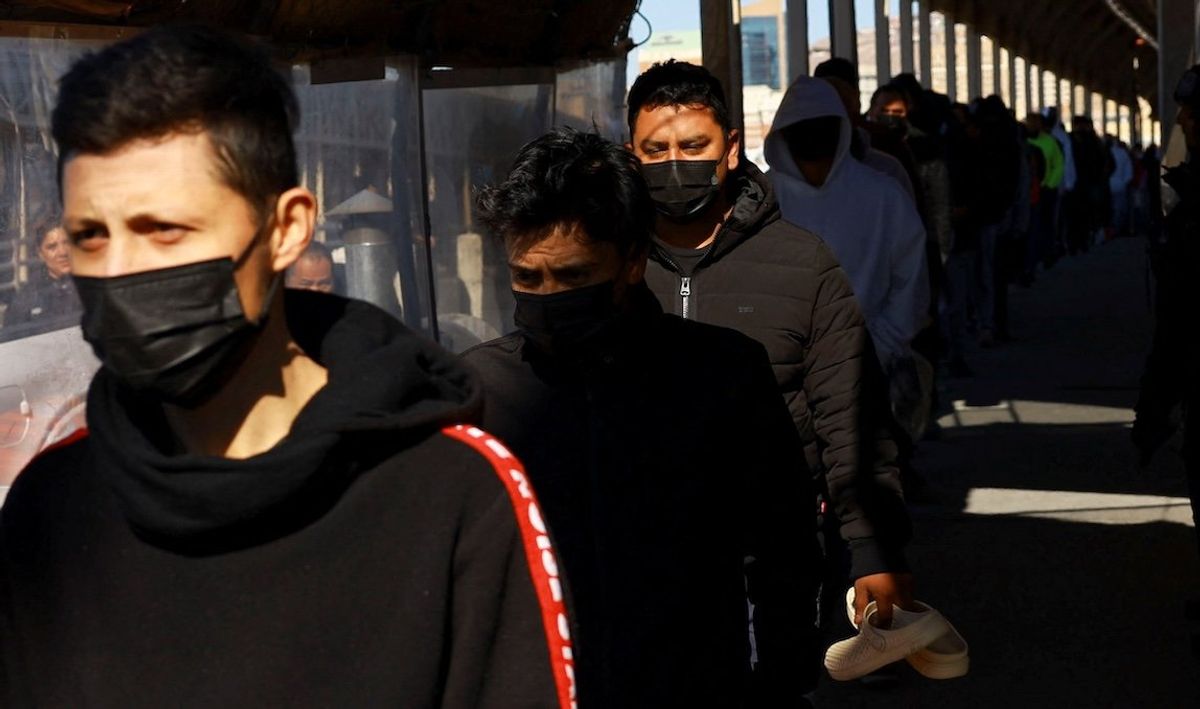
{"points": [[648, 143], [579, 265]]}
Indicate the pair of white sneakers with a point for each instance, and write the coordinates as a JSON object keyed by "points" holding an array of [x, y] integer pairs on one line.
{"points": [[925, 638]]}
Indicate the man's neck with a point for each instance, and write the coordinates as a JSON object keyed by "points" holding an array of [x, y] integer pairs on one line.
{"points": [[255, 409], [698, 234]]}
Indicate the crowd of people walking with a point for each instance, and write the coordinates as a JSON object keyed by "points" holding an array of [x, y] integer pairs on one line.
{"points": [[662, 490]]}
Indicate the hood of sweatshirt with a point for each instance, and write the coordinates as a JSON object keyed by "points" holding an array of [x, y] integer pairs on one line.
{"points": [[388, 389], [865, 217], [806, 99]]}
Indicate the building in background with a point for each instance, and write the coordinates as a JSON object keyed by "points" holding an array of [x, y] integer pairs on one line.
{"points": [[683, 45], [764, 44]]}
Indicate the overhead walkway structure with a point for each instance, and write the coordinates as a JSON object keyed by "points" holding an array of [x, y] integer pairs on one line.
{"points": [[1113, 60]]}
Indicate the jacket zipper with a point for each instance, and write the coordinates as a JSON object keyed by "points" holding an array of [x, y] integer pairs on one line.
{"points": [[685, 290]]}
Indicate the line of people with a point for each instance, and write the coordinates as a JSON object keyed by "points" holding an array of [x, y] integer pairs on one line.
{"points": [[285, 495], [701, 425]]}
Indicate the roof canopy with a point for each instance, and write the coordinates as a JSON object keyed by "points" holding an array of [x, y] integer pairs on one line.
{"points": [[447, 32], [1084, 41]]}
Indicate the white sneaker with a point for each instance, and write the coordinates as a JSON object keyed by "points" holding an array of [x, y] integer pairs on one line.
{"points": [[944, 658], [875, 647]]}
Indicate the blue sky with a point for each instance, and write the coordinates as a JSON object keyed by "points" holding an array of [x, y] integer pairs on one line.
{"points": [[667, 16], [685, 14], [674, 15]]}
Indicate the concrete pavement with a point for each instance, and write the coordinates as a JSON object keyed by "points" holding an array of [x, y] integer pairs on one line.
{"points": [[1064, 565]]}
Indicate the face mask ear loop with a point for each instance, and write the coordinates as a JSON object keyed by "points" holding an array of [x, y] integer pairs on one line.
{"points": [[276, 279]]}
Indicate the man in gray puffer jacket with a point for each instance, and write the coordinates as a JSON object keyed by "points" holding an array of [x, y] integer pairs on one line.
{"points": [[723, 255]]}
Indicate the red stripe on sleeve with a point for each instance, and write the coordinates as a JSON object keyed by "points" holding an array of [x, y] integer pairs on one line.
{"points": [[75, 436], [543, 565]]}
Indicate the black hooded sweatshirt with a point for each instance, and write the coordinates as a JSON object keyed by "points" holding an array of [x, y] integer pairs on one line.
{"points": [[379, 555], [664, 457]]}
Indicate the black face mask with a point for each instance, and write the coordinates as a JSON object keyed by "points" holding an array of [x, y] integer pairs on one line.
{"points": [[682, 189], [564, 323], [896, 124], [176, 333]]}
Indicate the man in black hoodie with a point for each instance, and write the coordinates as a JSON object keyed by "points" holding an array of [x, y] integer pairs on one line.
{"points": [[723, 255], [273, 504], [659, 473]]}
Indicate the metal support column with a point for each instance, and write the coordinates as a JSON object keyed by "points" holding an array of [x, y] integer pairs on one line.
{"points": [[951, 60], [974, 64], [1029, 108], [1012, 82], [906, 36], [1035, 79], [996, 67], [1176, 40], [883, 42], [925, 30], [797, 39], [721, 48], [843, 29]]}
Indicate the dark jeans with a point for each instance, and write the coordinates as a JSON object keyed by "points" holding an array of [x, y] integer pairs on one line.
{"points": [[1043, 229]]}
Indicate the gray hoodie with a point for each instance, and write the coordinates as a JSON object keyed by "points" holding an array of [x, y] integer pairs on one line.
{"points": [[865, 217]]}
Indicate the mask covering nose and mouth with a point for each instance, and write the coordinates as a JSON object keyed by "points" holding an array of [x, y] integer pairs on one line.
{"points": [[175, 333], [566, 322], [894, 123], [682, 189]]}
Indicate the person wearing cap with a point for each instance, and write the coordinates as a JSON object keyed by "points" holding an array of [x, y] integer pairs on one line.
{"points": [[1172, 374]]}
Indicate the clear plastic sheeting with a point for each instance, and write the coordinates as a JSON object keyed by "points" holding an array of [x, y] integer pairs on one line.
{"points": [[45, 365], [471, 137], [358, 150], [35, 295], [593, 97]]}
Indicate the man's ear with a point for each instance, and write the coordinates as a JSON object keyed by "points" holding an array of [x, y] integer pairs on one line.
{"points": [[295, 218], [734, 154]]}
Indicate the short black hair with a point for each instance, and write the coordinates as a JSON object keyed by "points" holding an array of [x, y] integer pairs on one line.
{"points": [[181, 79], [892, 90], [570, 178], [676, 83], [837, 68]]}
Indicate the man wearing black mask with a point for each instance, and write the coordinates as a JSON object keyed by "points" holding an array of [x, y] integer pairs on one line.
{"points": [[273, 504], [730, 259], [659, 473]]}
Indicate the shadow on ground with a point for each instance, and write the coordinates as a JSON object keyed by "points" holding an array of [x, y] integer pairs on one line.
{"points": [[1072, 608]]}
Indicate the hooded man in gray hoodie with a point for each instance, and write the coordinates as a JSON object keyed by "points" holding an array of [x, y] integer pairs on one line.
{"points": [[864, 216]]}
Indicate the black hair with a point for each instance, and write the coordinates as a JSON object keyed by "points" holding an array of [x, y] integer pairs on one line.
{"points": [[894, 90], [838, 68], [568, 178], [185, 79], [675, 83]]}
